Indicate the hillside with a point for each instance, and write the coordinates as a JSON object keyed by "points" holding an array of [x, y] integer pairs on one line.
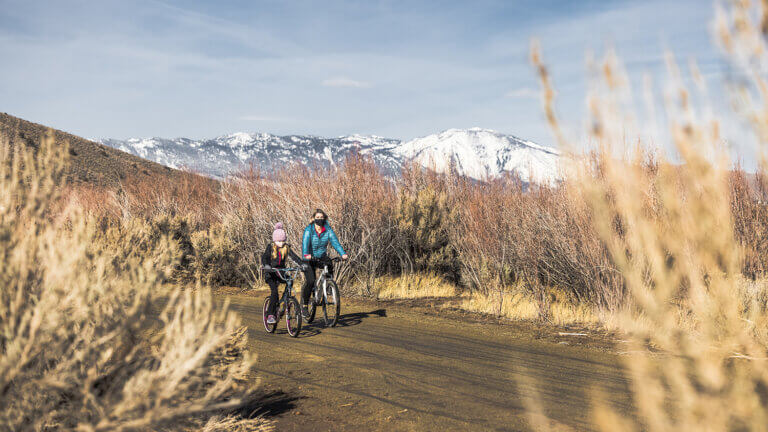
{"points": [[90, 162]]}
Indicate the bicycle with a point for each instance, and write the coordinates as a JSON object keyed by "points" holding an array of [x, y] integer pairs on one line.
{"points": [[287, 304], [325, 293]]}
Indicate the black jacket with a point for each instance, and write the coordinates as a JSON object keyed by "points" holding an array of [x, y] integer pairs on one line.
{"points": [[279, 262]]}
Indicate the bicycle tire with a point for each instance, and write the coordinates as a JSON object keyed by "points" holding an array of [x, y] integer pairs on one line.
{"points": [[312, 308], [270, 328], [332, 305], [293, 317]]}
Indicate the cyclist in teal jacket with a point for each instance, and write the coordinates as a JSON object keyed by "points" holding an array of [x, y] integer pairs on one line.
{"points": [[314, 245]]}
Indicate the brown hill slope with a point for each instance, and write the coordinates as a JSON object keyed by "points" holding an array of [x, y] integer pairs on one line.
{"points": [[90, 162]]}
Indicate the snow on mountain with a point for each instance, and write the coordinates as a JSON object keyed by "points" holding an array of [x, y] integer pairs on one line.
{"points": [[477, 153], [219, 157], [482, 153]]}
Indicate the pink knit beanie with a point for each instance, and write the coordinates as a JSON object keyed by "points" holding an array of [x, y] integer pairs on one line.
{"points": [[279, 233]]}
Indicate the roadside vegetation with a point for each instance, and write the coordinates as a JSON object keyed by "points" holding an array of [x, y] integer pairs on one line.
{"points": [[521, 254], [493, 247], [91, 335], [674, 254], [685, 237]]}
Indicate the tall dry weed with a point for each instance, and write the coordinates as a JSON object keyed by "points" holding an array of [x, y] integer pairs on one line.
{"points": [[680, 242], [80, 347]]}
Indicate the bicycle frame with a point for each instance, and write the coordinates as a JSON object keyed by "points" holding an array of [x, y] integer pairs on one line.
{"points": [[322, 280], [285, 303], [287, 274]]}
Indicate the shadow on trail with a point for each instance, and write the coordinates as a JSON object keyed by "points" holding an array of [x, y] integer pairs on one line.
{"points": [[268, 405], [345, 320]]}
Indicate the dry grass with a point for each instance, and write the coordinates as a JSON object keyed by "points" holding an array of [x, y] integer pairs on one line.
{"points": [[516, 304], [416, 285], [73, 354], [521, 305]]}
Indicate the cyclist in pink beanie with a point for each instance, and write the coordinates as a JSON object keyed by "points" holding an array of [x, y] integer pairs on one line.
{"points": [[274, 257], [279, 235]]}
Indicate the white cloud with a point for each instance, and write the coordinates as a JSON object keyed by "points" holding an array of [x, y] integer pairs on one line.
{"points": [[265, 119], [344, 82], [523, 93]]}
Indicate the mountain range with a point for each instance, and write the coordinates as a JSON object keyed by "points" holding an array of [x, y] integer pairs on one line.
{"points": [[476, 153]]}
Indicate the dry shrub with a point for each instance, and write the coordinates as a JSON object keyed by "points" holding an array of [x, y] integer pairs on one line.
{"points": [[216, 259], [133, 222], [96, 201], [79, 347], [358, 199], [486, 236], [426, 216], [680, 235], [749, 207], [135, 238], [192, 196], [541, 238]]}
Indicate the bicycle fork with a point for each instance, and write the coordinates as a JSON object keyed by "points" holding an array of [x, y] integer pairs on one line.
{"points": [[283, 302]]}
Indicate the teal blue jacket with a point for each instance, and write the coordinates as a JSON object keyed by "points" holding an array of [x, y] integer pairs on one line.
{"points": [[316, 244]]}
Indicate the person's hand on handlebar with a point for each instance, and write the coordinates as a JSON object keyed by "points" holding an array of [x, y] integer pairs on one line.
{"points": [[345, 257]]}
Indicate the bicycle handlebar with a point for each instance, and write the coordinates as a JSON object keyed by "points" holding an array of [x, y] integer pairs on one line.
{"points": [[279, 269], [284, 273], [324, 260]]}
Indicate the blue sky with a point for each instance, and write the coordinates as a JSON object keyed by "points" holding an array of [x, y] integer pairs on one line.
{"points": [[400, 69]]}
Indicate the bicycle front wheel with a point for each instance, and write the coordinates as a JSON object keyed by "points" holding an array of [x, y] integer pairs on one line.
{"points": [[270, 328], [332, 304], [293, 317]]}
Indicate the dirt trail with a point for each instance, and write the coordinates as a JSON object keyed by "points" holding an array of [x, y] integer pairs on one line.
{"points": [[395, 369]]}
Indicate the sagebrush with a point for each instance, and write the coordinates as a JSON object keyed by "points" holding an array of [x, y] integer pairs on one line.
{"points": [[80, 343]]}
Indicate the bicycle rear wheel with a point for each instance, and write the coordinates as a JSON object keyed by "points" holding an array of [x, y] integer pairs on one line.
{"points": [[270, 328], [293, 317], [332, 305]]}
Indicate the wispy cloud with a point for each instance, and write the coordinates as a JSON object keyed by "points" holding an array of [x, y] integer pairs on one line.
{"points": [[291, 67], [264, 119], [523, 93], [345, 82]]}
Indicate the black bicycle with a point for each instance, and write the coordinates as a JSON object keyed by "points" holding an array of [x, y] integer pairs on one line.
{"points": [[326, 295], [287, 305]]}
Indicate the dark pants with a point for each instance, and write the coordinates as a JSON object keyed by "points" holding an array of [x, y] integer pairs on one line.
{"points": [[309, 280], [273, 282]]}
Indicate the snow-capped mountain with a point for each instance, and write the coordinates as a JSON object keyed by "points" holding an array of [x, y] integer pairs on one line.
{"points": [[483, 153], [476, 153], [221, 156]]}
